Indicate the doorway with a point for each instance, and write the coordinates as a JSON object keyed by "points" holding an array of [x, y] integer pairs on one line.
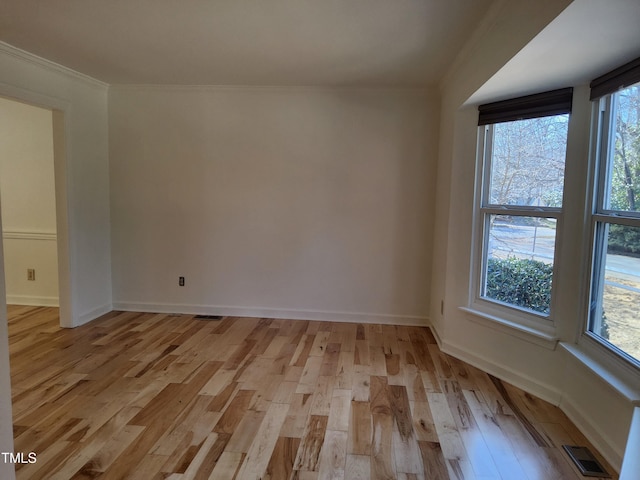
{"points": [[27, 191], [55, 109], [36, 253]]}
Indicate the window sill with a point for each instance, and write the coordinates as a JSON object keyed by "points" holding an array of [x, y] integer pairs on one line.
{"points": [[523, 332], [623, 379]]}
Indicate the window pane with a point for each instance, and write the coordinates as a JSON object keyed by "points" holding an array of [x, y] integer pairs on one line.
{"points": [[519, 266], [623, 179], [527, 163], [616, 316]]}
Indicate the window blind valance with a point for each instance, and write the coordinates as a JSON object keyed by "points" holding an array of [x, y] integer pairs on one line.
{"points": [[555, 102], [622, 77]]}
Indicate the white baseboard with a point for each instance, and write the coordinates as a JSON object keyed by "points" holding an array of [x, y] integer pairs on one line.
{"points": [[600, 441], [582, 421], [524, 382], [32, 300], [93, 314], [436, 335], [264, 312]]}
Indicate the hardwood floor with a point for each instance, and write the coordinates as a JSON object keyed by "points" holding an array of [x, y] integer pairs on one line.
{"points": [[154, 396]]}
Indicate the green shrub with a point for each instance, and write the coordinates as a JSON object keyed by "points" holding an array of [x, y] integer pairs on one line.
{"points": [[624, 240], [525, 283], [522, 282]]}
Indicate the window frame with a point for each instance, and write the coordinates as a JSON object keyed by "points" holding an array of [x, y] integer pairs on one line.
{"points": [[601, 217], [483, 210]]}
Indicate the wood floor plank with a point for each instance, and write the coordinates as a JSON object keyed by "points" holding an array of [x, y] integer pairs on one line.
{"points": [[321, 403], [357, 467], [196, 462], [156, 396], [282, 459], [382, 461], [360, 386], [259, 454], [361, 352], [423, 424], [344, 371], [413, 381], [377, 361], [339, 410], [497, 442], [213, 456], [405, 445], [359, 440], [320, 344], [312, 439], [301, 353], [454, 451], [309, 377], [234, 412], [333, 456], [435, 467], [296, 421], [227, 467]]}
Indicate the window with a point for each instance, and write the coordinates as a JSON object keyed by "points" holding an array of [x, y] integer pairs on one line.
{"points": [[614, 313], [523, 162]]}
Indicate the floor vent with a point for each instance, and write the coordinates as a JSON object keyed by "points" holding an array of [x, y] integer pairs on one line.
{"points": [[585, 461], [208, 317]]}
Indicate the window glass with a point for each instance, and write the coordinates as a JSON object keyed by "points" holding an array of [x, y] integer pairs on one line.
{"points": [[623, 173], [527, 163], [615, 292], [519, 266], [616, 316], [521, 204]]}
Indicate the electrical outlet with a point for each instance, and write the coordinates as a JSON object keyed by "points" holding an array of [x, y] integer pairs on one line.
{"points": [[31, 274], [181, 281]]}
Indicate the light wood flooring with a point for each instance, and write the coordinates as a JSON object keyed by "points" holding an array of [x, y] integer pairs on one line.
{"points": [[153, 396]]}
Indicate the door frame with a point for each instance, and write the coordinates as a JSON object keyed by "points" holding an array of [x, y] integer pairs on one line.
{"points": [[60, 121]]}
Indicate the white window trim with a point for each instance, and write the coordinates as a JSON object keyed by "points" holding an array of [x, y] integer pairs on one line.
{"points": [[603, 357], [511, 317]]}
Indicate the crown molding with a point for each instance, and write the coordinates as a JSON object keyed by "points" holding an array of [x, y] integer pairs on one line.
{"points": [[60, 69], [271, 88], [29, 235], [49, 65]]}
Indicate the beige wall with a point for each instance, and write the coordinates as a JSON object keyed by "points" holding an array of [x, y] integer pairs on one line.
{"points": [[27, 190], [285, 202], [552, 365], [308, 203]]}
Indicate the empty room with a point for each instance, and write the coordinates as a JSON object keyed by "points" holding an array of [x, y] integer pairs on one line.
{"points": [[288, 239]]}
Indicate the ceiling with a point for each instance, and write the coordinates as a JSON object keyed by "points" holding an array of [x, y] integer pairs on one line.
{"points": [[588, 39], [406, 43]]}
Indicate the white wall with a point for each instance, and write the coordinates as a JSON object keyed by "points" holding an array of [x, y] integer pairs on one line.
{"points": [[285, 202], [80, 131], [537, 363], [6, 419], [82, 198], [27, 189]]}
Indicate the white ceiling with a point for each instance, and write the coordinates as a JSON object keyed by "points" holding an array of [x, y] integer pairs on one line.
{"points": [[589, 38], [246, 42]]}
